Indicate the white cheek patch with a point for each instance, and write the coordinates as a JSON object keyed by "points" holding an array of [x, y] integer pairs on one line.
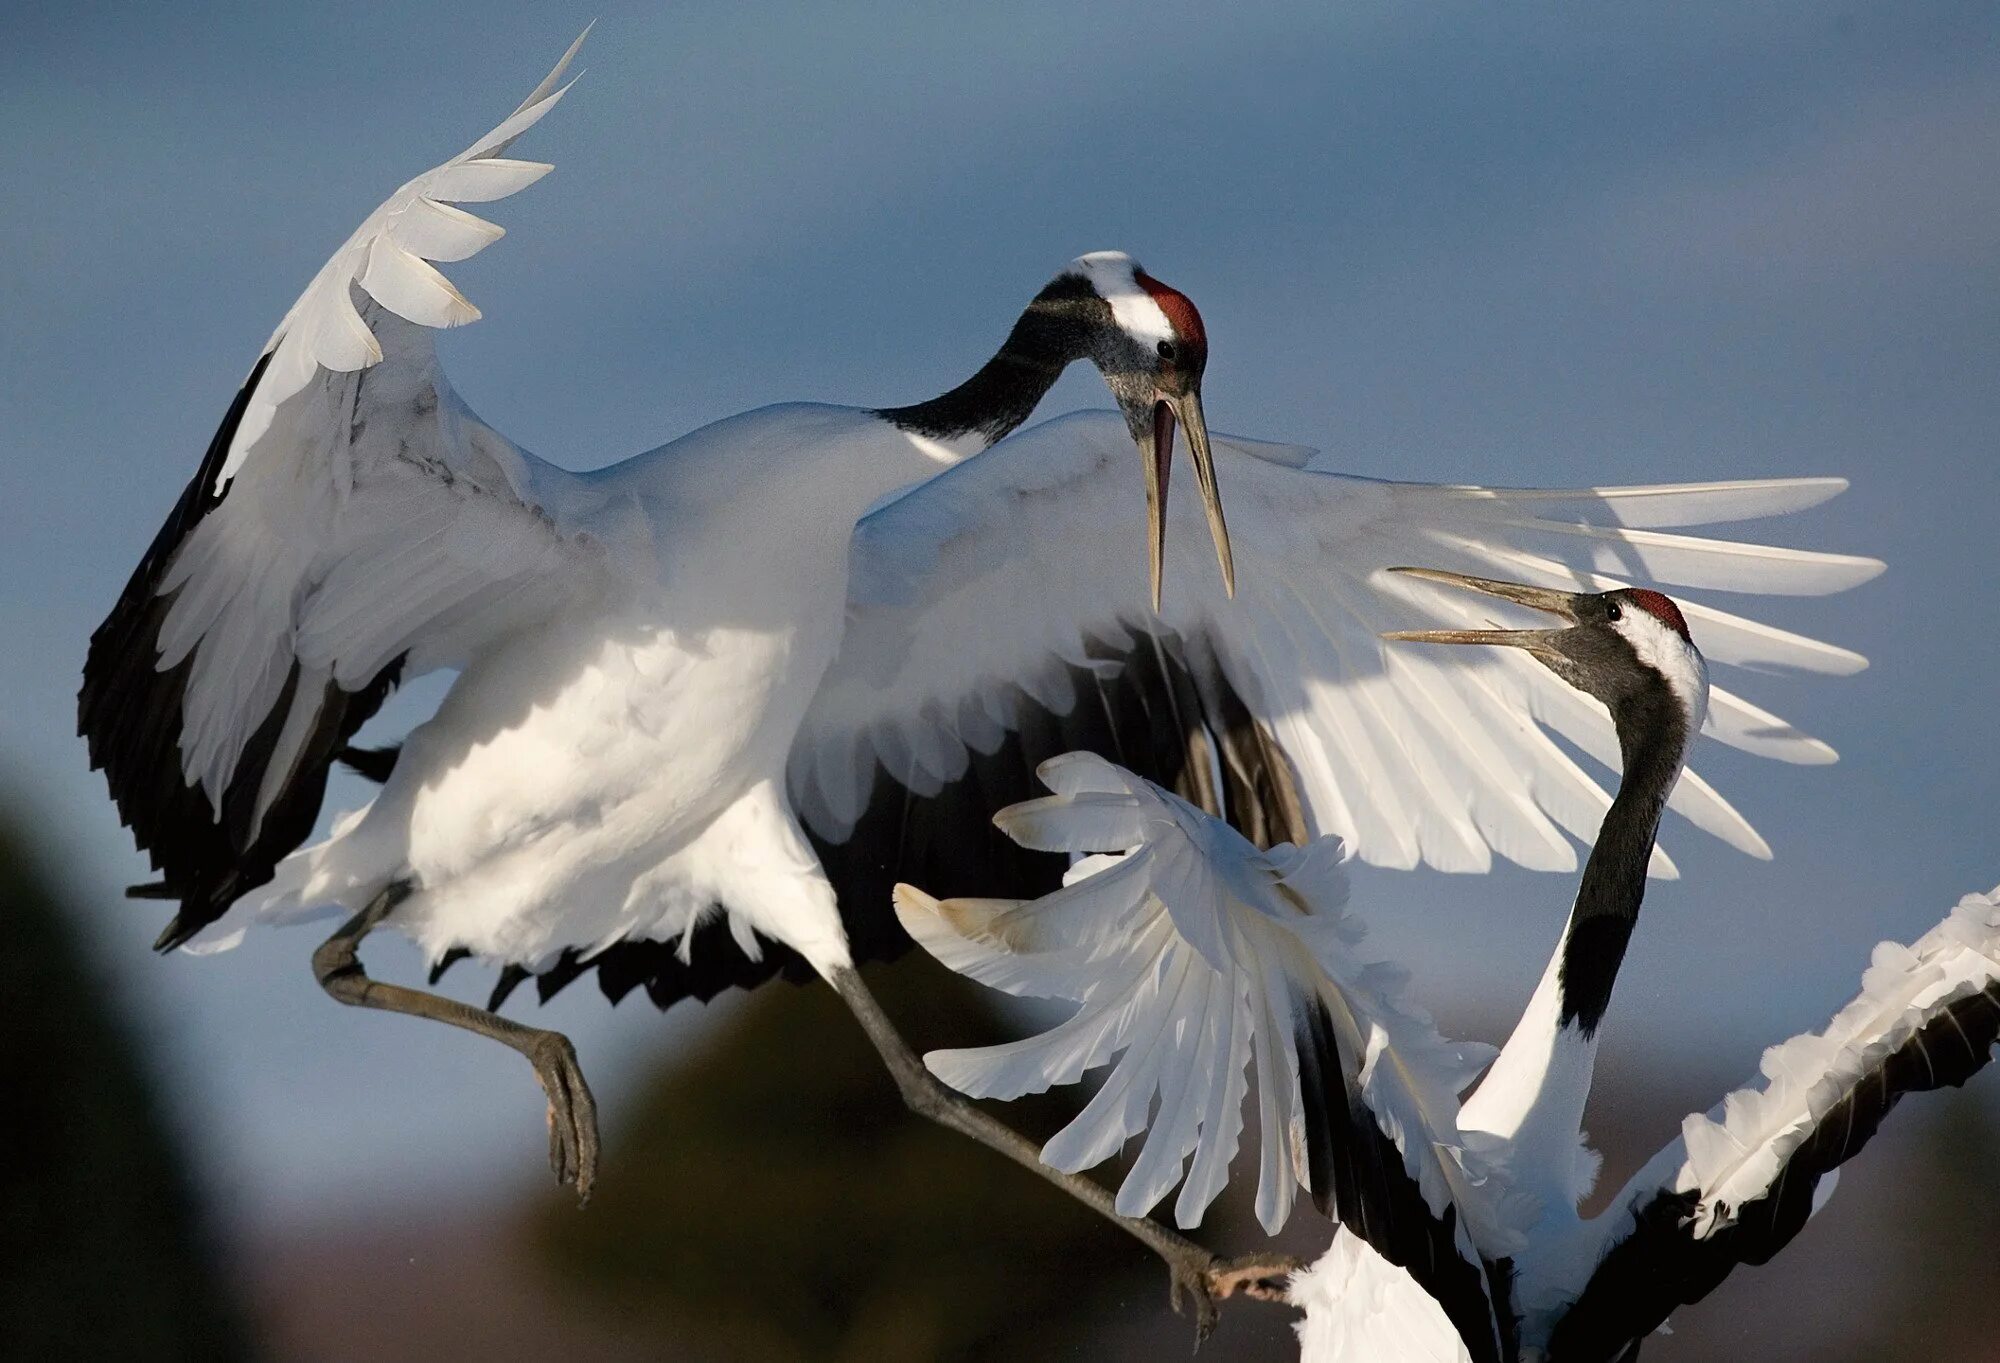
{"points": [[1113, 275], [1661, 647]]}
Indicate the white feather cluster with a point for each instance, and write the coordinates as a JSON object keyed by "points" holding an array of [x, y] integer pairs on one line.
{"points": [[1734, 1159], [1194, 954], [1412, 756], [1358, 1305], [387, 257]]}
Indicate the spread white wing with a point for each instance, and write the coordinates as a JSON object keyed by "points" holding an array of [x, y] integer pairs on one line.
{"points": [[1196, 962], [353, 523], [1013, 588]]}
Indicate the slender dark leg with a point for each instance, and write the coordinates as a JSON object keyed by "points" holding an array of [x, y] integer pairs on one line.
{"points": [[572, 1112], [1194, 1273]]}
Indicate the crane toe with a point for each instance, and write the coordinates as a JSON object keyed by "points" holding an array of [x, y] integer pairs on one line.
{"points": [[572, 1113]]}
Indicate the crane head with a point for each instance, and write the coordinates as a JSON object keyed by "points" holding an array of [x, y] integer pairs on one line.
{"points": [[1623, 647], [1151, 348]]}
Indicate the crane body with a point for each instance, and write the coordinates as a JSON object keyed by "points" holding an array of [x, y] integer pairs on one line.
{"points": [[714, 700]]}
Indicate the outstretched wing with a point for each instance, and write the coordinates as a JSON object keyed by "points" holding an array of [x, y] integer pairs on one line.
{"points": [[1741, 1180], [1197, 960], [352, 523], [1012, 588], [1000, 614]]}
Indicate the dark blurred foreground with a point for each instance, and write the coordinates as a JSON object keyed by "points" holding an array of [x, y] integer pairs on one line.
{"points": [[766, 1198], [103, 1253]]}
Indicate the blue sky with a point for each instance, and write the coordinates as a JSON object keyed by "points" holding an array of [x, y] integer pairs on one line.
{"points": [[1529, 244]]}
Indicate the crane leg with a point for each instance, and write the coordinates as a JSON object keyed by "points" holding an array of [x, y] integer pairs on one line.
{"points": [[1196, 1276], [573, 1144]]}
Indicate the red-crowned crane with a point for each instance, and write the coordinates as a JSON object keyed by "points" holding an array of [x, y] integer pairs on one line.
{"points": [[1197, 959], [714, 700]]}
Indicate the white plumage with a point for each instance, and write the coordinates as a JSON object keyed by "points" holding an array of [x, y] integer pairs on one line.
{"points": [[1736, 1152], [1739, 1150], [676, 672], [388, 258], [1124, 941], [1926, 1015], [682, 613], [1409, 759], [1194, 958], [1357, 1307]]}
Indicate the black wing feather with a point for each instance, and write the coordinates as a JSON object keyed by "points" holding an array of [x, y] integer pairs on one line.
{"points": [[1358, 1177], [1661, 1266], [129, 713]]}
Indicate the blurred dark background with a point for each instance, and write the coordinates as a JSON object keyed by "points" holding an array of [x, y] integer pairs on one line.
{"points": [[1534, 243], [766, 1197]]}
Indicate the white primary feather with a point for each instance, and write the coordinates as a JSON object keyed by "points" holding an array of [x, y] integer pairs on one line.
{"points": [[1408, 762], [1358, 1306], [1190, 955], [386, 257], [366, 513]]}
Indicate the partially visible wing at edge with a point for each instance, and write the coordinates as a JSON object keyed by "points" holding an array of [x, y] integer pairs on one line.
{"points": [[351, 524], [1742, 1180]]}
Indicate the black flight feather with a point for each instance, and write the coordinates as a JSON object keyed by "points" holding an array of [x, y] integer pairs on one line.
{"points": [[1661, 1265], [129, 711]]}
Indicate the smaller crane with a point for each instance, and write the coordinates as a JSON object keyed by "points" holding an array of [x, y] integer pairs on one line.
{"points": [[1192, 953]]}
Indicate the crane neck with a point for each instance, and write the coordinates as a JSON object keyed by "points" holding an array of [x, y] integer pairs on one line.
{"points": [[1534, 1095], [1061, 325], [1614, 876]]}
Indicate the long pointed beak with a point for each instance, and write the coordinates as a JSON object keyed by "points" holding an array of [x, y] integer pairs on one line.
{"points": [[1159, 462], [1186, 409], [1537, 598]]}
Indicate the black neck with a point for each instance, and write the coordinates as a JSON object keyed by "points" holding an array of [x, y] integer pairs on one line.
{"points": [[1062, 324], [1652, 737]]}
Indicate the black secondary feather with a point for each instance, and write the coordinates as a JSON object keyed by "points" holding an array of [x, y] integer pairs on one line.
{"points": [[1357, 1177], [129, 712]]}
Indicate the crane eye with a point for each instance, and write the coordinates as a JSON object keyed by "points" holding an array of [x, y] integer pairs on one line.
{"points": [[1612, 610], [1166, 349]]}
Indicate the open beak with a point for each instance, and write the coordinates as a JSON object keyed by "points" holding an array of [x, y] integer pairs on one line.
{"points": [[1537, 598], [1186, 409]]}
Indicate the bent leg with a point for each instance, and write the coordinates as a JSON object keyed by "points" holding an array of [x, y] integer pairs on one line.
{"points": [[573, 1143], [1194, 1273], [764, 869]]}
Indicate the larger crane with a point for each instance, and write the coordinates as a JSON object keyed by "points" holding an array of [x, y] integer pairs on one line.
{"points": [[714, 700]]}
